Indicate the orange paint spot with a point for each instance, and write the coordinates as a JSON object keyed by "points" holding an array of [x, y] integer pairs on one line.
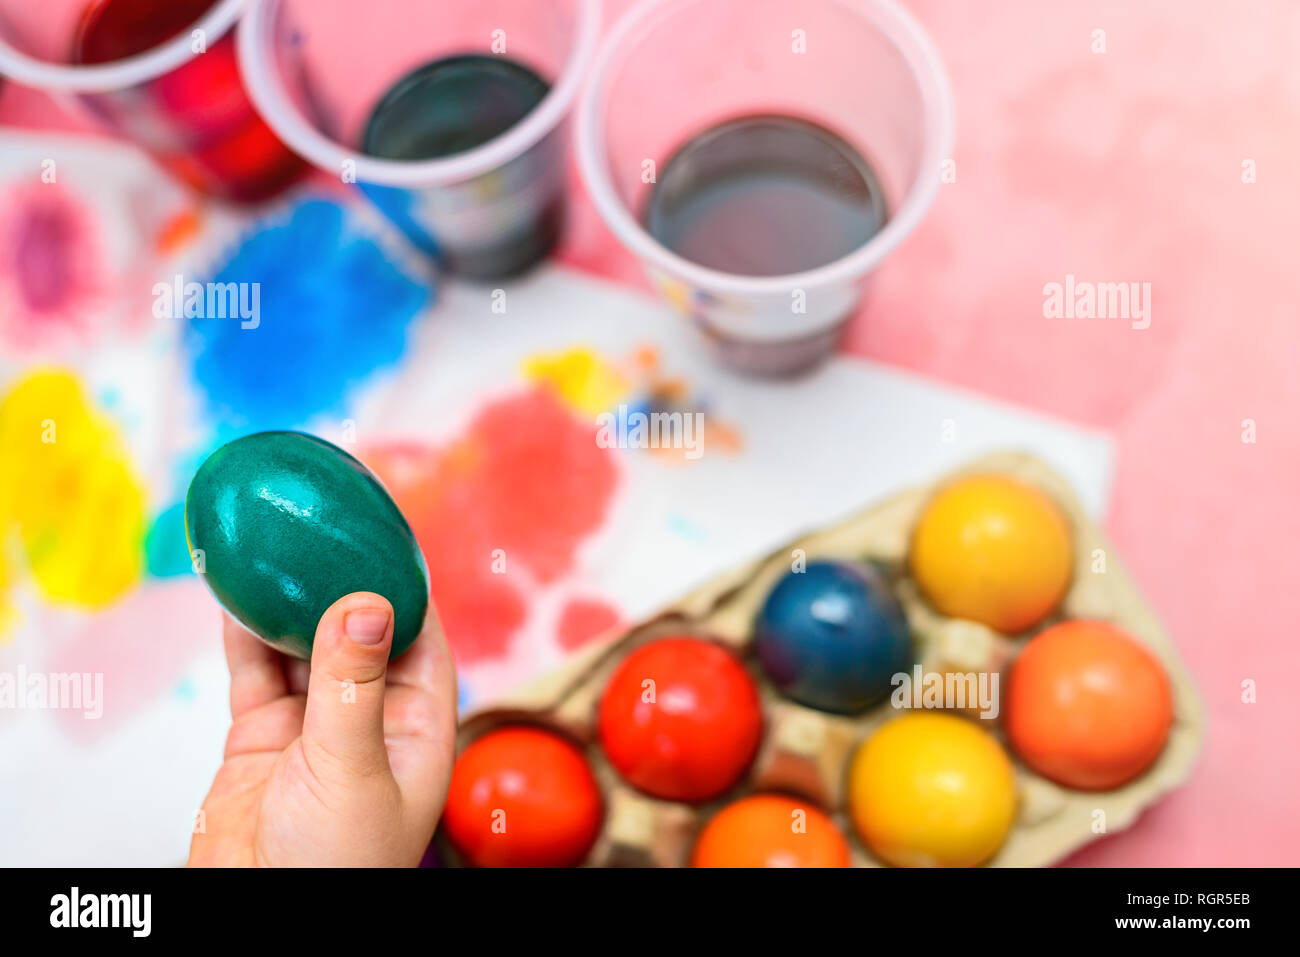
{"points": [[178, 231], [672, 390], [646, 359], [724, 437]]}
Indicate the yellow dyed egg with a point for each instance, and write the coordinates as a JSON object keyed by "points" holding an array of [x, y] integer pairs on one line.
{"points": [[993, 549], [932, 790]]}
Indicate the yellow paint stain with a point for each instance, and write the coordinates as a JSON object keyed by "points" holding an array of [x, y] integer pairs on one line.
{"points": [[581, 378], [69, 498], [8, 614], [677, 293]]}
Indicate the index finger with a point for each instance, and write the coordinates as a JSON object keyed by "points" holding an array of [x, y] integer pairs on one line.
{"points": [[256, 669], [427, 664]]}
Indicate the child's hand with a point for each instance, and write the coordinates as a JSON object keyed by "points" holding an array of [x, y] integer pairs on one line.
{"points": [[346, 763]]}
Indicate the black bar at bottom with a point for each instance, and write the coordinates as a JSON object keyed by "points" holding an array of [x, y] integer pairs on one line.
{"points": [[944, 908]]}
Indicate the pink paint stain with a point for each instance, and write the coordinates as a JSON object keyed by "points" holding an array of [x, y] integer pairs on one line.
{"points": [[142, 646], [51, 265], [500, 510]]}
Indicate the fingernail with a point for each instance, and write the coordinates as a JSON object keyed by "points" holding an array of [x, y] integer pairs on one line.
{"points": [[366, 627]]}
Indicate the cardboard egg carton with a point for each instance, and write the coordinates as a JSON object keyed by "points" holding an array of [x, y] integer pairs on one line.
{"points": [[806, 752]]}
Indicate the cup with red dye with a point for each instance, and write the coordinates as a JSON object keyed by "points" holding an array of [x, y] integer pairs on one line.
{"points": [[449, 116], [161, 73]]}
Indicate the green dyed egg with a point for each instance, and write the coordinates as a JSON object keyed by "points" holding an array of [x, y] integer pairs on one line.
{"points": [[282, 525]]}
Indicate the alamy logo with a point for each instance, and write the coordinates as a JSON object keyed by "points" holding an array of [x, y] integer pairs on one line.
{"points": [[1075, 299], [947, 690], [635, 429], [133, 911], [179, 299], [22, 690]]}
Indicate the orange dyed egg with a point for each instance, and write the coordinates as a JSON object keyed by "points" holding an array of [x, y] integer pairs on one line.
{"points": [[1087, 706], [770, 830]]}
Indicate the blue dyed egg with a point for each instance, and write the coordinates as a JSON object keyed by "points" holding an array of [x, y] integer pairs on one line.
{"points": [[833, 636]]}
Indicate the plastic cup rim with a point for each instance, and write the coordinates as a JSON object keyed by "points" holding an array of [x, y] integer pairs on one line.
{"points": [[907, 36], [272, 102], [118, 74]]}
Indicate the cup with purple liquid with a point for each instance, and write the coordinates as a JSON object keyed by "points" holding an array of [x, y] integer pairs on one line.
{"points": [[447, 115], [161, 73], [762, 158]]}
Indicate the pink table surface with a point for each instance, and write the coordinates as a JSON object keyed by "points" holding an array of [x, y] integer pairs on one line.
{"points": [[1122, 166]]}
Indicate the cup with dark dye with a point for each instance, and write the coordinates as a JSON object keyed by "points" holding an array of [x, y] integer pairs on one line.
{"points": [[762, 158], [161, 73], [447, 115]]}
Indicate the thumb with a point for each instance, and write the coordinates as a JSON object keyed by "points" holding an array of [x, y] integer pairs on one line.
{"points": [[343, 727]]}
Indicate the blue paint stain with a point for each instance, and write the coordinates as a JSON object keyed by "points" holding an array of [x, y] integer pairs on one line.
{"points": [[332, 310], [399, 206], [692, 531], [165, 551], [623, 415], [186, 691]]}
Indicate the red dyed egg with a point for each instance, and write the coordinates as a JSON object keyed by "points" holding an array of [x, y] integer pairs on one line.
{"points": [[680, 719], [522, 797]]}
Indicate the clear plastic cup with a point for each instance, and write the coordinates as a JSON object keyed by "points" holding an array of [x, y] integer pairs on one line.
{"points": [[180, 99], [673, 69], [316, 70]]}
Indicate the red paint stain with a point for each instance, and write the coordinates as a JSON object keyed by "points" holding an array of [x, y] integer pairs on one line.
{"points": [[583, 620], [505, 505]]}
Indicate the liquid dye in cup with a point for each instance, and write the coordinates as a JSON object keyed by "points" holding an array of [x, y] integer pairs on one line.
{"points": [[162, 73], [451, 106], [766, 196], [766, 176], [449, 116], [116, 29]]}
